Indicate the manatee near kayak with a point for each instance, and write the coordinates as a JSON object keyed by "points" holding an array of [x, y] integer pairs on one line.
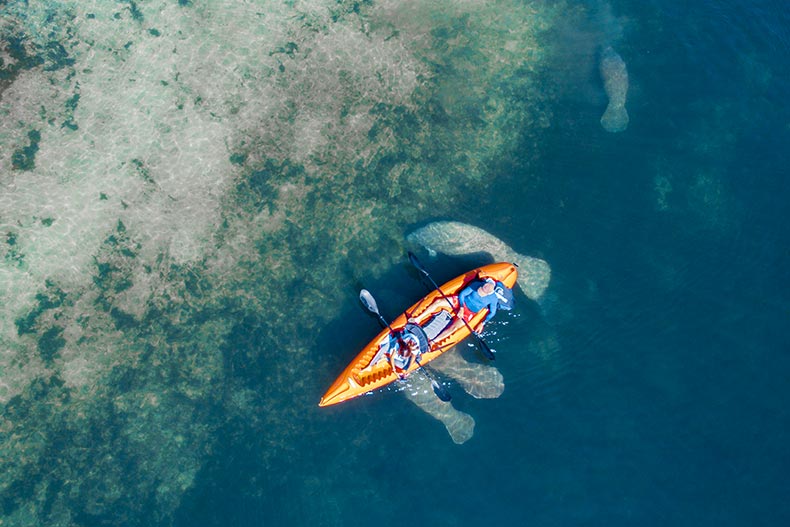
{"points": [[454, 238]]}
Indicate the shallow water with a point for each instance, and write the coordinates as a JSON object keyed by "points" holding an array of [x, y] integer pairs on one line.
{"points": [[192, 194]]}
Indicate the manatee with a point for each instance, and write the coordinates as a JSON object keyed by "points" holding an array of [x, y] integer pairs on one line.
{"points": [[460, 425], [481, 381], [455, 239], [615, 83]]}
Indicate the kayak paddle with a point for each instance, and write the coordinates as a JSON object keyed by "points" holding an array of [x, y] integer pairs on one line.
{"points": [[370, 303]]}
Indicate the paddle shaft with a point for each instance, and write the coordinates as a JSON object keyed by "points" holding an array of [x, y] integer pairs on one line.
{"points": [[483, 346], [369, 302]]}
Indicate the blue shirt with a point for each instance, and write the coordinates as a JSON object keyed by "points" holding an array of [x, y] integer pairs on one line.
{"points": [[471, 299]]}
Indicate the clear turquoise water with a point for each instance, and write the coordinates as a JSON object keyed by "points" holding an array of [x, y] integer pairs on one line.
{"points": [[648, 387]]}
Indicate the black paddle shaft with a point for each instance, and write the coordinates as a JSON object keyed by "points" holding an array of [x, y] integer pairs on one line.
{"points": [[370, 303]]}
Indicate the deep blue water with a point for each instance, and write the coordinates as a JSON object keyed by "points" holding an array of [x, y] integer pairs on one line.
{"points": [[650, 385]]}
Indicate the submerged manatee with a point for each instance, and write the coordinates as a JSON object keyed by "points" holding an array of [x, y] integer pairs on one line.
{"points": [[455, 239], [481, 381], [615, 83], [460, 425]]}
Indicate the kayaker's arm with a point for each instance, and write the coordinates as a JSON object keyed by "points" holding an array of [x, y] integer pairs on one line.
{"points": [[392, 354], [465, 293], [492, 306], [462, 299], [392, 364]]}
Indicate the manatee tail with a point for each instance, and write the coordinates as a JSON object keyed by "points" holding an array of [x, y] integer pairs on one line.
{"points": [[615, 118], [460, 425]]}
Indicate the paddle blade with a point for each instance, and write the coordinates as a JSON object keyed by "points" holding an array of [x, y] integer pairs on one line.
{"points": [[438, 389], [368, 301], [484, 347], [440, 392]]}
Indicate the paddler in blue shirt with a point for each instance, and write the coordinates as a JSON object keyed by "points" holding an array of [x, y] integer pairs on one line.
{"points": [[467, 304]]}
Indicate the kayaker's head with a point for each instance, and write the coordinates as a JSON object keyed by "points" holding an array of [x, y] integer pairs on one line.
{"points": [[486, 288]]}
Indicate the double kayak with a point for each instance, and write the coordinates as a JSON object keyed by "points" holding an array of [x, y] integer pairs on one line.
{"points": [[377, 366]]}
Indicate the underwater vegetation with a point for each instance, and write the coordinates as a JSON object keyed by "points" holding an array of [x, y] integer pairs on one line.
{"points": [[182, 187]]}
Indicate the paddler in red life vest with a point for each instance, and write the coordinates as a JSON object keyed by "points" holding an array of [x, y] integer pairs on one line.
{"points": [[408, 349], [467, 304]]}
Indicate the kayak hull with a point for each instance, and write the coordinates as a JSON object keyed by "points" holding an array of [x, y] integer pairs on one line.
{"points": [[370, 371]]}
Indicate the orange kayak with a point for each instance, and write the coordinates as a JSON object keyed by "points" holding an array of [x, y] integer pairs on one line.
{"points": [[372, 369]]}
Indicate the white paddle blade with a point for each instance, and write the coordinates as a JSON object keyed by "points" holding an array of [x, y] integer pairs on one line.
{"points": [[367, 299]]}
